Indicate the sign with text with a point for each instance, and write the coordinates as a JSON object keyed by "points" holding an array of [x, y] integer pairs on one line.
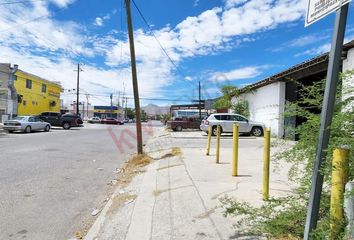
{"points": [[318, 9]]}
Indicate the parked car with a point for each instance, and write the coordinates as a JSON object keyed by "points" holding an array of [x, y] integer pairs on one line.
{"points": [[26, 124], [226, 121], [183, 123], [112, 121], [66, 121], [94, 120]]}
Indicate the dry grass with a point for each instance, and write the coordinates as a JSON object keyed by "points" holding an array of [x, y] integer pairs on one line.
{"points": [[131, 168]]}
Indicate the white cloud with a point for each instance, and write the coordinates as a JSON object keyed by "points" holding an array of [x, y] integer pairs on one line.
{"points": [[53, 45], [98, 21], [236, 74], [232, 3]]}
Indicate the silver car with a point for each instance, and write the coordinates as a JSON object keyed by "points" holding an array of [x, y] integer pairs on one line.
{"points": [[226, 121], [26, 124]]}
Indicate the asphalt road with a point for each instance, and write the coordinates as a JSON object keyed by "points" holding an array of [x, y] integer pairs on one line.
{"points": [[51, 182]]}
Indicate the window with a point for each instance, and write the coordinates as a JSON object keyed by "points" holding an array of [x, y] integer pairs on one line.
{"points": [[28, 84], [24, 102], [218, 117], [44, 88], [31, 119], [225, 117], [239, 118]]}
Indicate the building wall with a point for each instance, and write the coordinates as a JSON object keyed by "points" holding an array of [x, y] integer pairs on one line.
{"points": [[4, 76], [348, 83], [266, 105], [34, 101]]}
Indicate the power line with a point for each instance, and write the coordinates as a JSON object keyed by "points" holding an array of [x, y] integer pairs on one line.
{"points": [[157, 40], [35, 19], [20, 2]]}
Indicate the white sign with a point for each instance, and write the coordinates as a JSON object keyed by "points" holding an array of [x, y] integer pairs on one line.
{"points": [[318, 9]]}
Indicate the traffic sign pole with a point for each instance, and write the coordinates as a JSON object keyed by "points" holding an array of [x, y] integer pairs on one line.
{"points": [[326, 118]]}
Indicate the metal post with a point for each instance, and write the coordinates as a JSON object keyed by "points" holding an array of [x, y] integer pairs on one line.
{"points": [[326, 118], [199, 105], [209, 141], [339, 179], [139, 139], [266, 164], [235, 150], [218, 144]]}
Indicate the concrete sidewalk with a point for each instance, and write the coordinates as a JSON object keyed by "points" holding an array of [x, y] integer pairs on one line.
{"points": [[177, 197]]}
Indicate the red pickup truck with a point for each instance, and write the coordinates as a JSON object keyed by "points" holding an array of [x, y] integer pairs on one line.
{"points": [[184, 123]]}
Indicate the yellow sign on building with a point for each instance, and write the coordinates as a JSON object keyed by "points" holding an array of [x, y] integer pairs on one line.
{"points": [[35, 94]]}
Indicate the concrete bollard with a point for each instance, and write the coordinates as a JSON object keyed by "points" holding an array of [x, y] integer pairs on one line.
{"points": [[235, 149], [218, 144], [349, 210], [209, 141], [339, 179], [266, 164]]}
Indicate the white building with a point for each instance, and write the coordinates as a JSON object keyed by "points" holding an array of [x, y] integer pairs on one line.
{"points": [[267, 98]]}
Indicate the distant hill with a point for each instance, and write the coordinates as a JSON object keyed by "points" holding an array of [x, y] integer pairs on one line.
{"points": [[153, 109]]}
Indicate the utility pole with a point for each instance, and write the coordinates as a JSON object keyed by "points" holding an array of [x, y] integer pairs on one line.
{"points": [[77, 87], [111, 96], [139, 139], [87, 104], [199, 105], [126, 108]]}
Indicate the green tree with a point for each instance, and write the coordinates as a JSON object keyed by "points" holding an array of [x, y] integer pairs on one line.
{"points": [[240, 106], [228, 92], [130, 113], [143, 115]]}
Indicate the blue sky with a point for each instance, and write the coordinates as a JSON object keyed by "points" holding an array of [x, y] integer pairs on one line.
{"points": [[216, 42]]}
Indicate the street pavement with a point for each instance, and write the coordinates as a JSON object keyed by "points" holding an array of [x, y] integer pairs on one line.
{"points": [[178, 196], [50, 183]]}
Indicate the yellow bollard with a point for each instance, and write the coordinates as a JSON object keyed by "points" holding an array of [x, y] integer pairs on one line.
{"points": [[235, 149], [339, 179], [218, 144], [209, 141], [266, 163]]}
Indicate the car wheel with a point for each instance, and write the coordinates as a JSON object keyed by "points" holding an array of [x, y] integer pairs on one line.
{"points": [[10, 131], [28, 129], [214, 130], [179, 128], [47, 128], [257, 131], [66, 125]]}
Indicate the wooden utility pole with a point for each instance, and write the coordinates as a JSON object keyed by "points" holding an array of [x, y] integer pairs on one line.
{"points": [[139, 139], [77, 88]]}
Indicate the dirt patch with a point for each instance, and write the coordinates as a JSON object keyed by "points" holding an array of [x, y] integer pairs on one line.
{"points": [[119, 200], [175, 151], [131, 168]]}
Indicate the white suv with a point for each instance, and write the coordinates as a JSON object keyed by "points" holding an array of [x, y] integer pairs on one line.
{"points": [[226, 121]]}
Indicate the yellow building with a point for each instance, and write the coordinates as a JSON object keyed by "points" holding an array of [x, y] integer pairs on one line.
{"points": [[35, 94]]}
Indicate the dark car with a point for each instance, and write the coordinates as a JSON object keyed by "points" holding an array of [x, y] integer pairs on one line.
{"points": [[183, 123], [112, 121], [62, 120]]}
